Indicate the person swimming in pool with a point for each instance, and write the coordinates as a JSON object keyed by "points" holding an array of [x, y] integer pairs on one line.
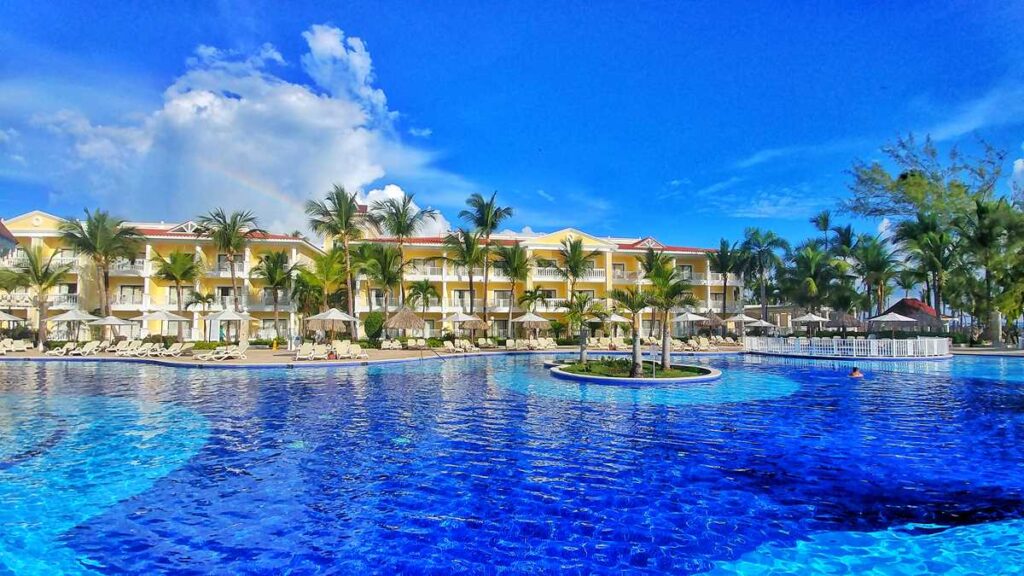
{"points": [[856, 373]]}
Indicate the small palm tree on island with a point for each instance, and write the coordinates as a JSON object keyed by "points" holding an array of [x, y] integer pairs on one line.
{"points": [[669, 291], [653, 262], [179, 268], [633, 301], [580, 310]]}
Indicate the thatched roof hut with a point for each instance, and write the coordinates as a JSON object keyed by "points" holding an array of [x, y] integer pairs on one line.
{"points": [[927, 319]]}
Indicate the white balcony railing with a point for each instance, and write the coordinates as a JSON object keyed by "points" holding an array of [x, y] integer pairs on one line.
{"points": [[224, 269], [125, 266], [16, 300], [63, 300], [127, 299], [921, 347]]}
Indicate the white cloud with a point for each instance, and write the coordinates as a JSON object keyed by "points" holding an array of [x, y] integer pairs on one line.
{"points": [[885, 228], [438, 226], [1000, 106], [780, 202], [421, 132], [545, 195], [232, 133]]}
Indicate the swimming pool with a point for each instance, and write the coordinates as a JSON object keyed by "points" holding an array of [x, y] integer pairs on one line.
{"points": [[488, 464]]}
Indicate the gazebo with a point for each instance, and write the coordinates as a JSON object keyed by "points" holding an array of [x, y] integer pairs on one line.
{"points": [[405, 320]]}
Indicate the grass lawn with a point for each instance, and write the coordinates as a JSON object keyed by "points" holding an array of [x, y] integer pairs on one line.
{"points": [[619, 368]]}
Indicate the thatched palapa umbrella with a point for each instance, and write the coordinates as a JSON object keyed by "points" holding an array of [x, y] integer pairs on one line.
{"points": [[531, 321], [405, 320]]}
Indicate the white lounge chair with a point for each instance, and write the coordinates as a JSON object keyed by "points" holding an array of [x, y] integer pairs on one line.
{"points": [[182, 350], [305, 352], [86, 349], [356, 351], [208, 355], [62, 351], [235, 352], [320, 352]]}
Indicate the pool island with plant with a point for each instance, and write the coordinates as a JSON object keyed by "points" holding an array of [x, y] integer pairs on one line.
{"points": [[619, 371]]}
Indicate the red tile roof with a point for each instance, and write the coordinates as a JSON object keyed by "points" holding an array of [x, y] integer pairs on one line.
{"points": [[6, 238], [165, 233], [913, 305], [507, 242]]}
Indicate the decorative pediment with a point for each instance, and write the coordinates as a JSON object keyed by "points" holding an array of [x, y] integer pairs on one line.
{"points": [[649, 242], [189, 227], [555, 238]]}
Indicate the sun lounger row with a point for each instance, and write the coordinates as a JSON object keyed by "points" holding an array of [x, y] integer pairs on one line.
{"points": [[342, 350], [531, 344], [607, 343], [459, 345], [10, 345]]}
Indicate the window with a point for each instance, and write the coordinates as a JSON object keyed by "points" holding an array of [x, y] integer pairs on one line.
{"points": [[685, 270], [222, 262], [549, 294], [503, 298], [618, 270], [129, 294], [377, 297], [500, 328], [267, 296], [186, 295], [716, 297]]}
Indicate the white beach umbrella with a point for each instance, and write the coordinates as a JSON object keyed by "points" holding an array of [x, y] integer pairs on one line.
{"points": [[689, 317], [112, 321], [230, 316], [809, 318], [330, 320], [530, 317], [74, 316], [5, 317], [760, 324], [460, 317], [618, 318], [743, 318], [891, 318]]}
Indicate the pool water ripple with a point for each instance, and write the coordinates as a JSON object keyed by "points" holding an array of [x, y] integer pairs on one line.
{"points": [[484, 465]]}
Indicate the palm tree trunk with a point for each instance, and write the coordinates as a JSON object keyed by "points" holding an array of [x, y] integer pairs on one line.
{"points": [[41, 332], [487, 264], [234, 281], [401, 273], [725, 289], [105, 289], [177, 288], [512, 298], [349, 285], [636, 370], [277, 331], [666, 359], [764, 296]]}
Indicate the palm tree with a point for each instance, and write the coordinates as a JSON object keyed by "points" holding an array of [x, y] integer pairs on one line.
{"points": [[276, 273], [877, 266], [845, 240], [809, 278], [762, 248], [983, 230], [103, 239], [669, 290], [400, 219], [11, 280], [578, 311], [466, 251], [485, 215], [822, 221], [385, 269], [634, 301], [907, 280], [422, 291], [532, 297], [40, 274], [204, 301], [515, 262], [230, 234], [728, 259], [576, 262], [326, 276], [180, 268], [339, 217], [653, 262]]}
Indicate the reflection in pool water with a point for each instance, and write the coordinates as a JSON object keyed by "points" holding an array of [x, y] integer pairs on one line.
{"points": [[488, 463]]}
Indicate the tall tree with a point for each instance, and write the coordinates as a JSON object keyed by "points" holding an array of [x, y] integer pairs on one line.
{"points": [[466, 251], [575, 263], [653, 262], [580, 310], [385, 270], [178, 268], [204, 301], [422, 291], [728, 259], [41, 275], [876, 265], [485, 215], [669, 290], [808, 279], [634, 301], [230, 234], [822, 221], [326, 276], [400, 219], [515, 262], [762, 248], [340, 218], [983, 230], [103, 239], [276, 273], [532, 297]]}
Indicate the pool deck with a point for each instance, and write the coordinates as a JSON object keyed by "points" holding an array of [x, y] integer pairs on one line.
{"points": [[1010, 352], [265, 358]]}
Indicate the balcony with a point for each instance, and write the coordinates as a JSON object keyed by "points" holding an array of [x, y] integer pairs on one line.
{"points": [[223, 270], [715, 279], [593, 275], [265, 302], [501, 305], [127, 268], [625, 276], [63, 301], [228, 303], [423, 272], [129, 301], [13, 261], [465, 304], [542, 273], [16, 300]]}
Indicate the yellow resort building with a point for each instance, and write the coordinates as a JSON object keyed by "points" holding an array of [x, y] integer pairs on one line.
{"points": [[134, 289], [615, 265]]}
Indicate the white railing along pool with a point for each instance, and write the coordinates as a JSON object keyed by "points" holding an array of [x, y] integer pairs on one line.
{"points": [[921, 347]]}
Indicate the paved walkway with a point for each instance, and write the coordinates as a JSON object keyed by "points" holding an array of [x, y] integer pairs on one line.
{"points": [[1014, 352]]}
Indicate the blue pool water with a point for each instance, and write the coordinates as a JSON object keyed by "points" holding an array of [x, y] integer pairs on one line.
{"points": [[488, 465]]}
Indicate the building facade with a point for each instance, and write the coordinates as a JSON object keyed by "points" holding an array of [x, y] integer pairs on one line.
{"points": [[615, 265], [135, 289]]}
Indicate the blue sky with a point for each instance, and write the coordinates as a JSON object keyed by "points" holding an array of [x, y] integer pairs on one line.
{"points": [[686, 121]]}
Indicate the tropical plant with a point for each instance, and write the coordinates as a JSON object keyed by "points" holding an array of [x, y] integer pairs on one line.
{"points": [[485, 215], [400, 219], [762, 248], [385, 270], [40, 275], [465, 251], [578, 311], [326, 277], [276, 274], [575, 263], [634, 301], [230, 234], [557, 328], [178, 268], [202, 300], [808, 280], [422, 291], [514, 261], [728, 259], [669, 290], [532, 297], [104, 239], [876, 265], [822, 222], [652, 262], [983, 230], [339, 217]]}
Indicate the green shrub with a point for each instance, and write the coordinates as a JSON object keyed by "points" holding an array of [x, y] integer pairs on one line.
{"points": [[209, 345], [18, 332], [373, 323]]}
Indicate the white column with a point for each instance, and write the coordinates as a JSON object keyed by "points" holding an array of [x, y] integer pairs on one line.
{"points": [[146, 286], [444, 285], [246, 284]]}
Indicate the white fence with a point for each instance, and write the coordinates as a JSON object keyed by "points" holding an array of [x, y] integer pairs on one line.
{"points": [[921, 347]]}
